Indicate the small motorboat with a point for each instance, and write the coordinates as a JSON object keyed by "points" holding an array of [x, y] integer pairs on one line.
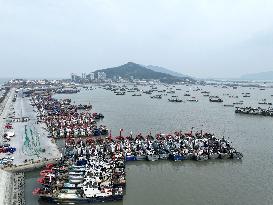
{"points": [[229, 105], [175, 100], [130, 157], [156, 97], [192, 100], [236, 155], [215, 99]]}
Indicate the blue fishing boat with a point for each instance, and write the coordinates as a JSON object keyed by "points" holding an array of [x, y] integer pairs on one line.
{"points": [[130, 157]]}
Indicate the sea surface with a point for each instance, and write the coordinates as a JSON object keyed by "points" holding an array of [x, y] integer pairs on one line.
{"points": [[249, 181], [3, 80]]}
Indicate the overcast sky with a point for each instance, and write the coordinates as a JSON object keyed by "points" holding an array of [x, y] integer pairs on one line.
{"points": [[213, 38]]}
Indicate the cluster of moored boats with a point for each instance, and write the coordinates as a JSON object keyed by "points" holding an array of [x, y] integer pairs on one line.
{"points": [[90, 171], [65, 120], [254, 111], [157, 93], [84, 107], [67, 90], [93, 170], [179, 146]]}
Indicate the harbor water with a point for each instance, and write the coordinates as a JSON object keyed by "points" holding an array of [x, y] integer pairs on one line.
{"points": [[217, 182]]}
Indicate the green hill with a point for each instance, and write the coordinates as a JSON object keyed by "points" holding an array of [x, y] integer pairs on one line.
{"points": [[137, 71]]}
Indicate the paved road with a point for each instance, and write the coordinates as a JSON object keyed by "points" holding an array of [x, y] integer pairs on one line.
{"points": [[30, 138]]}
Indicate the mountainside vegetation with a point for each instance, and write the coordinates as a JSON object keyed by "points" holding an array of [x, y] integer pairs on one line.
{"points": [[136, 71]]}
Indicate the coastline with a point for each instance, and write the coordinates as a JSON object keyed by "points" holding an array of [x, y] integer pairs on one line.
{"points": [[33, 147]]}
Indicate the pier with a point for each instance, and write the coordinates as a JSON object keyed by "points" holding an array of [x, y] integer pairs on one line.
{"points": [[32, 165], [31, 147], [30, 138]]}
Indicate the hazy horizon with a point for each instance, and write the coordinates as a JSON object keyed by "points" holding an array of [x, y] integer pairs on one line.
{"points": [[204, 39]]}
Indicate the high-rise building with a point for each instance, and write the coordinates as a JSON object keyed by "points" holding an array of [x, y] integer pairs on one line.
{"points": [[101, 76], [92, 76], [75, 78]]}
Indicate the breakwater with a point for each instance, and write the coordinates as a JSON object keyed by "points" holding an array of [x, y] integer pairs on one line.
{"points": [[29, 166], [12, 188]]}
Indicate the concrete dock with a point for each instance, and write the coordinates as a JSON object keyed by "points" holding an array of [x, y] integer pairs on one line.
{"points": [[31, 138], [33, 147], [26, 167]]}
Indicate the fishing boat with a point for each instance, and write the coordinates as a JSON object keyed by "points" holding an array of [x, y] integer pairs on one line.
{"points": [[175, 100], [163, 155], [201, 157], [152, 155], [176, 157], [213, 155], [130, 157], [120, 93], [236, 155], [229, 105], [264, 102], [192, 100], [97, 115], [225, 155], [156, 97], [238, 103], [140, 155], [215, 99]]}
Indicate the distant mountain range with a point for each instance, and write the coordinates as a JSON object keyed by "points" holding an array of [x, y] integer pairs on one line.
{"points": [[165, 70], [138, 71], [258, 76]]}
